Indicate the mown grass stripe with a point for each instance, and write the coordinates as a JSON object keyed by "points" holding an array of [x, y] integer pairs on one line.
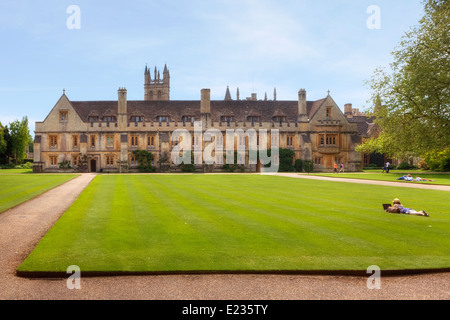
{"points": [[246, 222]]}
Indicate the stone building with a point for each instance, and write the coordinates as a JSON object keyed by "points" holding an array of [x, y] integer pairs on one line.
{"points": [[102, 135]]}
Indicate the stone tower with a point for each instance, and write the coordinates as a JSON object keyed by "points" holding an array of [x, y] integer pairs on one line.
{"points": [[157, 88]]}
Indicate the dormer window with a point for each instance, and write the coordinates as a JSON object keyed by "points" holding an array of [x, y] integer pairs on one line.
{"points": [[226, 118], [93, 118], [109, 119], [163, 118], [279, 119], [137, 119], [253, 118], [188, 118]]}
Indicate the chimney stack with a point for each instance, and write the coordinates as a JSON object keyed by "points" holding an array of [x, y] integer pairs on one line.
{"points": [[205, 108], [302, 115], [122, 103], [348, 109]]}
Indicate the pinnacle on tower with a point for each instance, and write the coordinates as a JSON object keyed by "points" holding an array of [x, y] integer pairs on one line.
{"points": [[228, 95]]}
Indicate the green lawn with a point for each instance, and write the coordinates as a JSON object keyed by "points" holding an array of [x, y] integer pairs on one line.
{"points": [[18, 186], [158, 223], [438, 178]]}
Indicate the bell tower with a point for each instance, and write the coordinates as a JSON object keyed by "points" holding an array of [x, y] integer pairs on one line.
{"points": [[157, 88]]}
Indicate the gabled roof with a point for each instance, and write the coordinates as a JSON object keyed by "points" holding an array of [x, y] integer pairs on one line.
{"points": [[176, 109]]}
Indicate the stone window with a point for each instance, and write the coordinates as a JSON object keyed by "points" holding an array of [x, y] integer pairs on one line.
{"points": [[53, 141], [92, 139], [328, 140], [134, 141], [274, 141], [328, 113], [109, 161], [75, 161], [110, 141], [76, 142], [318, 161], [331, 140], [53, 161], [151, 141], [290, 141], [133, 161], [63, 116]]}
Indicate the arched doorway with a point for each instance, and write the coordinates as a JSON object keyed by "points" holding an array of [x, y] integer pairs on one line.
{"points": [[93, 165]]}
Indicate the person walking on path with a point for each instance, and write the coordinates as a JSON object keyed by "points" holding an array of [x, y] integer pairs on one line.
{"points": [[386, 167], [335, 168]]}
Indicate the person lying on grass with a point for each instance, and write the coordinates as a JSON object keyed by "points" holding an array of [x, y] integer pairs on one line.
{"points": [[397, 207], [422, 179], [408, 177]]}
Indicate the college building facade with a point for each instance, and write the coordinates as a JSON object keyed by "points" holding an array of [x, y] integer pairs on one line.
{"points": [[102, 135]]}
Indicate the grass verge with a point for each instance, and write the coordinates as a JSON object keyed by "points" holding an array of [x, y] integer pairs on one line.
{"points": [[438, 178], [213, 223], [18, 187]]}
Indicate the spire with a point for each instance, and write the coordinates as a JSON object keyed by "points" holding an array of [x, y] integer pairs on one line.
{"points": [[146, 69], [166, 74], [275, 94], [227, 94], [265, 96], [237, 94]]}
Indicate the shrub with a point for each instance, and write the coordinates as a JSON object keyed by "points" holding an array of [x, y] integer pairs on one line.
{"points": [[286, 158], [144, 158], [438, 160], [404, 166], [65, 165], [308, 166], [298, 165], [423, 165]]}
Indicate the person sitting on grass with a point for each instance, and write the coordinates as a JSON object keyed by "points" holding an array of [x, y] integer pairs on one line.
{"points": [[397, 207]]}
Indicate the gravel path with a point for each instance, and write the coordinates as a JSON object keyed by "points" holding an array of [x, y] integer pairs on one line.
{"points": [[22, 227]]}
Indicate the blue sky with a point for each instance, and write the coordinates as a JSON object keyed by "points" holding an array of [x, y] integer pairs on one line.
{"points": [[255, 45]]}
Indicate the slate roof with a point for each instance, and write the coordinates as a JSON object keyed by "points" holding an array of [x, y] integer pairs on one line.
{"points": [[176, 109], [363, 124]]}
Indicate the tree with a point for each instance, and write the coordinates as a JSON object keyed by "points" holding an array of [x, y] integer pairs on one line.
{"points": [[308, 166], [144, 158], [412, 100], [2, 139], [20, 136], [286, 160], [5, 151]]}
